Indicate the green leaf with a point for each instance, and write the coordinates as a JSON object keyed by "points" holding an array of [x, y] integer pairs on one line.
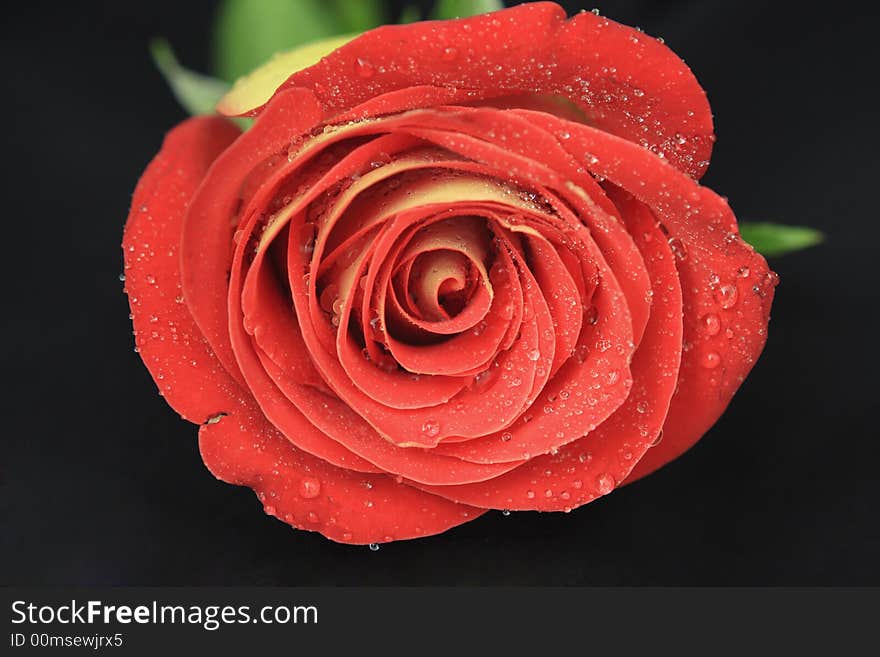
{"points": [[248, 32], [444, 9], [198, 94], [776, 239], [409, 14], [357, 15]]}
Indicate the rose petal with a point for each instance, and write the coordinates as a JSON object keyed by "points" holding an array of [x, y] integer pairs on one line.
{"points": [[627, 83], [720, 275], [308, 493], [181, 362], [206, 247], [595, 464]]}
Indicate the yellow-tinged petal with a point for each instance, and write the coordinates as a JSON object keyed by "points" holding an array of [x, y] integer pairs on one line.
{"points": [[255, 88]]}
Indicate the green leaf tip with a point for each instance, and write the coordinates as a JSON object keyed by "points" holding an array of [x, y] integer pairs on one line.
{"points": [[771, 239], [446, 9], [248, 32], [409, 14], [197, 93]]}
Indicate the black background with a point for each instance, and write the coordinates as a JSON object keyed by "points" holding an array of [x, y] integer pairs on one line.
{"points": [[102, 483]]}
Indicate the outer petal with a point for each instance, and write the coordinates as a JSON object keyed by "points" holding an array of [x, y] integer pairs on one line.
{"points": [[308, 493], [625, 82], [172, 347], [206, 247], [727, 288]]}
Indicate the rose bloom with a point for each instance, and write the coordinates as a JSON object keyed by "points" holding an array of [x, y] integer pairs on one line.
{"points": [[453, 266]]}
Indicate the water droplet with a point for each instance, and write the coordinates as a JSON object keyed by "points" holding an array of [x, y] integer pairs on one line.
{"points": [[506, 436], [449, 53], [711, 360], [772, 278], [364, 68], [505, 512], [431, 428], [530, 494], [678, 248], [743, 272], [309, 488], [605, 483], [374, 547], [329, 296], [578, 484], [269, 509], [122, 278], [591, 315], [313, 517], [642, 406], [533, 355], [711, 324], [726, 296]]}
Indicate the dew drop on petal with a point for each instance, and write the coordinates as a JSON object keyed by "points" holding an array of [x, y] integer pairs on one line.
{"points": [[605, 483], [711, 324], [678, 249], [431, 428], [726, 296], [374, 547], [711, 360], [591, 315], [364, 69], [309, 488]]}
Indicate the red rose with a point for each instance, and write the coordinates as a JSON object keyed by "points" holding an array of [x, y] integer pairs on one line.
{"points": [[453, 266]]}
